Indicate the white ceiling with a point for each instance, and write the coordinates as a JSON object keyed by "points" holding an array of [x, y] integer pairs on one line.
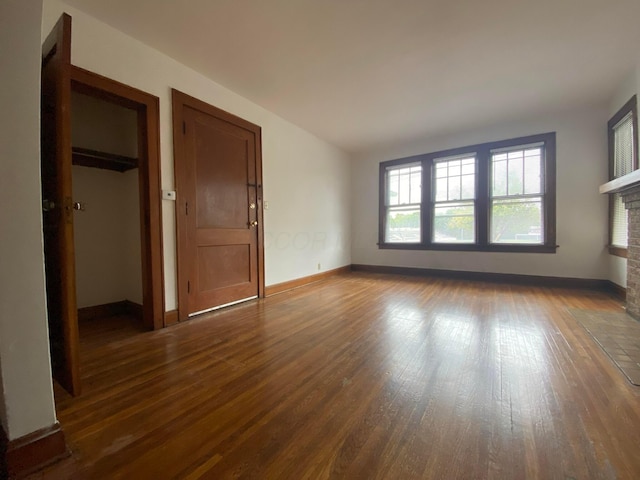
{"points": [[362, 73]]}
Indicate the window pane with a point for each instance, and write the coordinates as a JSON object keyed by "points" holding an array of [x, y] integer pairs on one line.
{"points": [[441, 190], [455, 179], [392, 194], [532, 180], [403, 197], [515, 175], [404, 185], [468, 166], [623, 163], [454, 187], [623, 147], [517, 172], [403, 225], [499, 176], [468, 187], [416, 187], [619, 227], [517, 221], [454, 223]]}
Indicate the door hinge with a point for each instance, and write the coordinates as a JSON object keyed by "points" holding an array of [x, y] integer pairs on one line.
{"points": [[188, 286], [184, 128], [186, 208]]}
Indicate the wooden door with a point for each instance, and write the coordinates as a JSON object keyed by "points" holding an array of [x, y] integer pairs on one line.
{"points": [[58, 206], [218, 174]]}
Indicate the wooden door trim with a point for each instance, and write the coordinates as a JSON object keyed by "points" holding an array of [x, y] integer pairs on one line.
{"points": [[179, 101], [148, 108]]}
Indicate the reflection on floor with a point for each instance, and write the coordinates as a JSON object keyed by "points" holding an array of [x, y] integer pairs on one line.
{"points": [[113, 332], [619, 336]]}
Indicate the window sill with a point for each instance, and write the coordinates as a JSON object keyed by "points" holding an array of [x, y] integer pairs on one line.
{"points": [[618, 251], [470, 247]]}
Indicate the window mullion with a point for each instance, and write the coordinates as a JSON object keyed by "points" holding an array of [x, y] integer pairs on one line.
{"points": [[549, 191], [483, 164], [427, 207]]}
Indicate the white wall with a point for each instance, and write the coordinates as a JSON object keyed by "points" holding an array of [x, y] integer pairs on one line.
{"points": [[627, 89], [27, 395], [131, 254], [581, 167], [107, 236], [103, 126], [306, 181]]}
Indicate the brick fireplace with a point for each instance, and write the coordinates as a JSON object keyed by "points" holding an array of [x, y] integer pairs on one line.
{"points": [[628, 186]]}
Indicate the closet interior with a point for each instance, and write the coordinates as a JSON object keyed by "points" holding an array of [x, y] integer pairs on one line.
{"points": [[107, 220]]}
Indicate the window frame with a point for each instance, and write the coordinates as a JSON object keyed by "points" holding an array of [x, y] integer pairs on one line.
{"points": [[630, 107], [482, 153]]}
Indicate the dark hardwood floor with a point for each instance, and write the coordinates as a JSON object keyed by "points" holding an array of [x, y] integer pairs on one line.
{"points": [[362, 376]]}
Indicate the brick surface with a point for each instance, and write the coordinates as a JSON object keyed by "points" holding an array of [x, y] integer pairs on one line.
{"points": [[631, 200]]}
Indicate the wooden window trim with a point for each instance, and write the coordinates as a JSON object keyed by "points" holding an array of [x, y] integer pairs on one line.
{"points": [[482, 201], [630, 106]]}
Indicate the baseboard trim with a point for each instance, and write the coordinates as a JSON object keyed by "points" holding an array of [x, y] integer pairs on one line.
{"points": [[534, 280], [134, 309], [170, 318], [4, 442], [300, 282], [618, 291], [110, 310], [32, 452]]}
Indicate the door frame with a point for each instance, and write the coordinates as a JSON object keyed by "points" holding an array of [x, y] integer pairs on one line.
{"points": [[147, 107], [179, 101]]}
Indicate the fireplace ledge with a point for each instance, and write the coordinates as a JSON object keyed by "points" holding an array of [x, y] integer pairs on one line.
{"points": [[621, 184]]}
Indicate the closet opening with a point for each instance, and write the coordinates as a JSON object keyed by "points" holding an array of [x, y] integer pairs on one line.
{"points": [[107, 220]]}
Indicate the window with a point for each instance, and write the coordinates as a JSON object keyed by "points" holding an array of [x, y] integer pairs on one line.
{"points": [[516, 195], [403, 199], [497, 196], [454, 200], [623, 147]]}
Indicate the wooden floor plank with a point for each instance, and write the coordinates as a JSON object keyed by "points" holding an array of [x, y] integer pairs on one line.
{"points": [[358, 376]]}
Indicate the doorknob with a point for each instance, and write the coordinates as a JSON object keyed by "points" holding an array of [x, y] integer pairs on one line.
{"points": [[253, 224], [79, 206], [48, 205]]}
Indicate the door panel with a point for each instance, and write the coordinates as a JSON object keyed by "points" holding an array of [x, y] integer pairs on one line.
{"points": [[221, 163], [217, 172], [58, 206], [222, 266]]}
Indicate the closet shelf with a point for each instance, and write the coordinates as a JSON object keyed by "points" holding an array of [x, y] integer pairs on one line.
{"points": [[108, 161]]}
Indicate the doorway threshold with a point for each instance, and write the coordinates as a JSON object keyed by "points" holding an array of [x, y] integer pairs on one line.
{"points": [[207, 310]]}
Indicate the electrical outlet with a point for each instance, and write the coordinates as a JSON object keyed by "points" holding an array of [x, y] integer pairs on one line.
{"points": [[266, 205], [319, 266]]}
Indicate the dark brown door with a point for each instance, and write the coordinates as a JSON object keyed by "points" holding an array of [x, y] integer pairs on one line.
{"points": [[58, 206], [219, 206]]}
